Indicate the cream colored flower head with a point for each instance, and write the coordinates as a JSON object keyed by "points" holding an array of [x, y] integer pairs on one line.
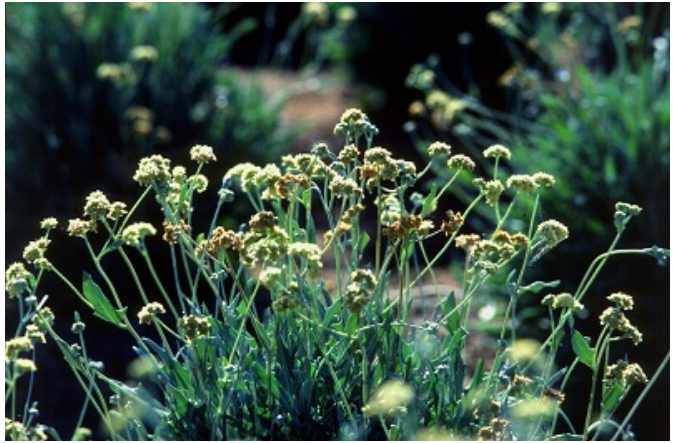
{"points": [[497, 151], [202, 154]]}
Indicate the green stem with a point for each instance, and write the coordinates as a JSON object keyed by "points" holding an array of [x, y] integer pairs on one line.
{"points": [[71, 287], [133, 209], [442, 191], [134, 274], [85, 406], [603, 341], [164, 342], [566, 378], [495, 177], [363, 367], [242, 327], [379, 211], [511, 306], [146, 256], [176, 278], [598, 263], [122, 313], [434, 260], [504, 217]]}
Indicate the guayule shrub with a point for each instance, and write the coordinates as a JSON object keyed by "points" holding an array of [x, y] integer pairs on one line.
{"points": [[289, 327]]}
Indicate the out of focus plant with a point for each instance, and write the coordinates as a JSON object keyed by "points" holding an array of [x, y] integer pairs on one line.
{"points": [[91, 86], [324, 28], [589, 94]]}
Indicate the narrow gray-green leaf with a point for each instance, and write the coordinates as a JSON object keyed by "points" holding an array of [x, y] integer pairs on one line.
{"points": [[537, 286], [583, 351], [429, 200], [613, 395], [102, 308]]}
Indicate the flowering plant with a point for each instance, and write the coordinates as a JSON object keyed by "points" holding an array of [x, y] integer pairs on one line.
{"points": [[337, 352]]}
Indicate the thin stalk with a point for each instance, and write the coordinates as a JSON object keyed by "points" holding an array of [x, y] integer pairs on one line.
{"points": [[495, 177], [176, 278], [602, 343], [566, 378], [442, 191], [242, 327], [31, 383], [134, 274], [82, 413], [511, 307], [164, 342], [201, 260], [146, 256], [71, 287], [133, 209], [437, 257], [363, 367], [379, 211]]}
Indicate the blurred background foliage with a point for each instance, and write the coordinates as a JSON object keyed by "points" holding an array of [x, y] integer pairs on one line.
{"points": [[93, 87], [581, 91]]}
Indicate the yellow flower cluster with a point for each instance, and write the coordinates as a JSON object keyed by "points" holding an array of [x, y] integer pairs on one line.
{"points": [[194, 327], [148, 311], [360, 290], [614, 318]]}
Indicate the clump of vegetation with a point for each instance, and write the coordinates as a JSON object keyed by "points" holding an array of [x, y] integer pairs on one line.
{"points": [[336, 353], [90, 87]]}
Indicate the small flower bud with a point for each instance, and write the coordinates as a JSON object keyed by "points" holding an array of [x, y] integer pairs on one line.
{"points": [[525, 183], [552, 232], [202, 154], [147, 312], [23, 365], [97, 205], [321, 150], [49, 223], [622, 300], [544, 179], [439, 149], [79, 228], [78, 327], [497, 151], [461, 162], [134, 233]]}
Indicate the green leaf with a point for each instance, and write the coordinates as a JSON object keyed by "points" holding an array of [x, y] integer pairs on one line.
{"points": [[477, 379], [178, 402], [306, 198], [614, 394], [583, 351], [102, 307], [175, 372], [331, 312], [537, 286], [407, 252], [453, 321], [427, 203], [352, 326], [363, 241]]}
